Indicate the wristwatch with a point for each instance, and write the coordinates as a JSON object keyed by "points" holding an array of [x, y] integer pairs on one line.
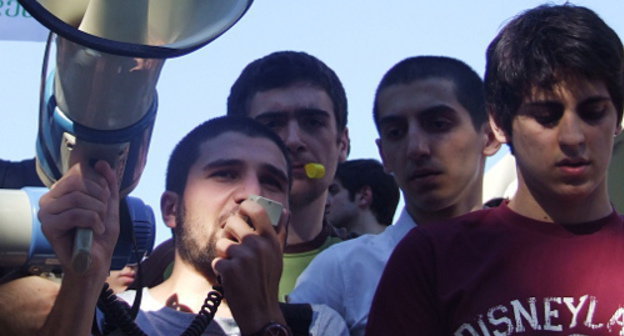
{"points": [[273, 329]]}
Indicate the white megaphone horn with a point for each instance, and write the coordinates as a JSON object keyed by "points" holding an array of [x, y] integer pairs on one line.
{"points": [[99, 102]]}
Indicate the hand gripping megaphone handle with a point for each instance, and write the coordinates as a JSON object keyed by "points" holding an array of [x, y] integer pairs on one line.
{"points": [[81, 255], [83, 238]]}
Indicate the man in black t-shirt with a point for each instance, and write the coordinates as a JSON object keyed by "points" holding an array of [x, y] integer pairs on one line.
{"points": [[18, 174]]}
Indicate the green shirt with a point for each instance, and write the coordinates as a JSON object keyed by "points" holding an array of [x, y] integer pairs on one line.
{"points": [[295, 263]]}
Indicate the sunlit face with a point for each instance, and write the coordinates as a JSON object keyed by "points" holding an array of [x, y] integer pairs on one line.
{"points": [[563, 140], [303, 116], [342, 210], [230, 167], [427, 140]]}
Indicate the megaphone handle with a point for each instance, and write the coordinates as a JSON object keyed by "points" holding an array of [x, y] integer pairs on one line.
{"points": [[81, 255]]}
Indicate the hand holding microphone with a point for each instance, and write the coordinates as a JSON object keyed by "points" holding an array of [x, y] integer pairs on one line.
{"points": [[249, 262]]}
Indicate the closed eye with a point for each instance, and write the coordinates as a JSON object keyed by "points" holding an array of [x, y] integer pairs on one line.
{"points": [[594, 111], [546, 114]]}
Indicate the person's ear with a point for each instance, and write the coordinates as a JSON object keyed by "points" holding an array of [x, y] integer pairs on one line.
{"points": [[499, 133], [364, 197], [344, 145], [491, 144], [169, 208]]}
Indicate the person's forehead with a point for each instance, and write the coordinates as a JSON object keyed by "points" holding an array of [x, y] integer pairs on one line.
{"points": [[233, 145], [417, 96], [289, 99]]}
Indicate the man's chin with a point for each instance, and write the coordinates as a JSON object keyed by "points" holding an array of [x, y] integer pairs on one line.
{"points": [[432, 201], [305, 191], [200, 259]]}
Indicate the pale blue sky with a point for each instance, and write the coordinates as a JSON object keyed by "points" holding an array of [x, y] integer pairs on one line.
{"points": [[360, 40]]}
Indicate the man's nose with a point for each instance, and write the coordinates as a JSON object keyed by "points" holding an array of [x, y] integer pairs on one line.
{"points": [[292, 137], [248, 186], [571, 130], [417, 143]]}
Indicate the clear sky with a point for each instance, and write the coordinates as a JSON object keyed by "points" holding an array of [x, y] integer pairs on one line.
{"points": [[360, 40]]}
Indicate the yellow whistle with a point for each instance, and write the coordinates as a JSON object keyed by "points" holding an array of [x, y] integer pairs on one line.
{"points": [[314, 170]]}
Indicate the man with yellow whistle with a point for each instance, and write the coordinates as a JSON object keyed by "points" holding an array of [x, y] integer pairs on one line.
{"points": [[303, 101]]}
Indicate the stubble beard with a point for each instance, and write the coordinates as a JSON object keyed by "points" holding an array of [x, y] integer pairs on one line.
{"points": [[200, 256]]}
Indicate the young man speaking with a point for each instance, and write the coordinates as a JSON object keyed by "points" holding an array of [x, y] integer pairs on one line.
{"points": [[222, 237]]}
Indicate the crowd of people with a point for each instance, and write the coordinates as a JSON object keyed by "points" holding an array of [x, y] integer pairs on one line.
{"points": [[544, 261]]}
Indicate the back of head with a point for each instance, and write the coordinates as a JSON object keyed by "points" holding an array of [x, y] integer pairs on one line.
{"points": [[283, 69], [187, 151], [468, 85], [355, 174], [544, 46]]}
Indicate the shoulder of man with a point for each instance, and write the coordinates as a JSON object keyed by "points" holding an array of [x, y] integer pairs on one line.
{"points": [[323, 280], [326, 321]]}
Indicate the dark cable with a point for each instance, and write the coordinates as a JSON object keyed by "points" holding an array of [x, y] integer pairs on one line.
{"points": [[117, 314], [206, 313], [136, 305]]}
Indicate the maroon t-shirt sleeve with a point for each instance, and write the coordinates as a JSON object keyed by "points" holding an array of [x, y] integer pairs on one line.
{"points": [[404, 303]]}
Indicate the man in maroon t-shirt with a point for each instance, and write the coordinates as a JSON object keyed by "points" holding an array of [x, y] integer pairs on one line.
{"points": [[551, 259]]}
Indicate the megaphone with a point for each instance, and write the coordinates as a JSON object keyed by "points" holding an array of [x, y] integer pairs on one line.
{"points": [[99, 102]]}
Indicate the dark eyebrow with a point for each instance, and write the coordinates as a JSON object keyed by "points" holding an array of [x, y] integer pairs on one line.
{"points": [[553, 103], [297, 113], [391, 120], [222, 163], [549, 104], [595, 99], [432, 110], [436, 110], [543, 103], [312, 112], [271, 115], [272, 169]]}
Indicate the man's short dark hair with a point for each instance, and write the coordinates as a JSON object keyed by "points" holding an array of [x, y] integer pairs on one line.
{"points": [[282, 69], [356, 174], [468, 86], [186, 152], [544, 46]]}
